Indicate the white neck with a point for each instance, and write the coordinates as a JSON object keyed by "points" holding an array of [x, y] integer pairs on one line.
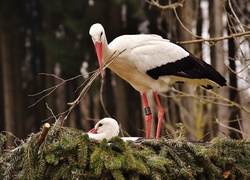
{"points": [[106, 51]]}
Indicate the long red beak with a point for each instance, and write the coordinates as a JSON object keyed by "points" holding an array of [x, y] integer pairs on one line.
{"points": [[93, 131], [98, 49]]}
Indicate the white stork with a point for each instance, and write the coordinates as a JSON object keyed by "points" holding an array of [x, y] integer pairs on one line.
{"points": [[149, 62], [105, 128]]}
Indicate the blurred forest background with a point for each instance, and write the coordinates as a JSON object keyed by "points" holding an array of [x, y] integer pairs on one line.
{"points": [[47, 54]]}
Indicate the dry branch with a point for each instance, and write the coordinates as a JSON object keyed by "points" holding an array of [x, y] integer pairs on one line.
{"points": [[169, 6], [50, 90], [92, 78], [213, 41], [43, 134]]}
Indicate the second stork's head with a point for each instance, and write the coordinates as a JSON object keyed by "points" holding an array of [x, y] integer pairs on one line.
{"points": [[105, 128]]}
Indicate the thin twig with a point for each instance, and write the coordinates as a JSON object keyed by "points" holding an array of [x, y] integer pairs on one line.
{"points": [[211, 99], [93, 77], [231, 128], [85, 82], [235, 16], [231, 103], [82, 94], [202, 137], [52, 75], [215, 40], [51, 111], [51, 89], [179, 20], [101, 99], [169, 6]]}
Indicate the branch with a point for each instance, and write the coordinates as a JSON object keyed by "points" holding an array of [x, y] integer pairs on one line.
{"points": [[50, 90], [210, 99], [101, 99], [43, 134], [235, 16], [212, 41], [231, 128], [170, 6], [230, 103], [92, 78], [215, 40]]}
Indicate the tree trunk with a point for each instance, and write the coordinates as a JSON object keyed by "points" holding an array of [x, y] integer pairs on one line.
{"points": [[1, 86], [188, 17], [217, 61], [7, 74], [234, 96], [48, 61], [200, 113], [233, 92]]}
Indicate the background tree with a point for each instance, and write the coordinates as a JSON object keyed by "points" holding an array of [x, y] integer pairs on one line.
{"points": [[52, 38]]}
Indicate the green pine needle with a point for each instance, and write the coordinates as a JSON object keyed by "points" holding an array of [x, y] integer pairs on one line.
{"points": [[68, 153]]}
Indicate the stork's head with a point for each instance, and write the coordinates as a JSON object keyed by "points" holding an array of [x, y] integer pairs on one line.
{"points": [[97, 33], [105, 128]]}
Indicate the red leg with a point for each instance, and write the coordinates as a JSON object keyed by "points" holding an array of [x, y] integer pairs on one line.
{"points": [[160, 115], [148, 115]]}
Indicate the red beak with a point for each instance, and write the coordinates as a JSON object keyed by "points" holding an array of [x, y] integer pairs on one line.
{"points": [[98, 49], [93, 131]]}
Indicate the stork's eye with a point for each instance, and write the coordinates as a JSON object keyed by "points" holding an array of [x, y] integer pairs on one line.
{"points": [[101, 34], [100, 125]]}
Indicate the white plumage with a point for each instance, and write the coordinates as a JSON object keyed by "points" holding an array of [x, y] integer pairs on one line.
{"points": [[105, 128], [149, 62]]}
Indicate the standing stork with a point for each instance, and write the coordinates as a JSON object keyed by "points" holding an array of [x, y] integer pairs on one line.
{"points": [[149, 62]]}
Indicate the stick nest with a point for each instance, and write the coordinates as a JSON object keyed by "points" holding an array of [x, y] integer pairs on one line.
{"points": [[68, 153]]}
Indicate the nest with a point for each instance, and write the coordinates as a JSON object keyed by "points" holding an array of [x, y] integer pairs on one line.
{"points": [[67, 153]]}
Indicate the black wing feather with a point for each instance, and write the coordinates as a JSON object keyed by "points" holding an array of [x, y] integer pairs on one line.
{"points": [[189, 67]]}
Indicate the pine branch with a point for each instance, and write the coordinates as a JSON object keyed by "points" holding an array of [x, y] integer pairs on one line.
{"points": [[68, 153]]}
